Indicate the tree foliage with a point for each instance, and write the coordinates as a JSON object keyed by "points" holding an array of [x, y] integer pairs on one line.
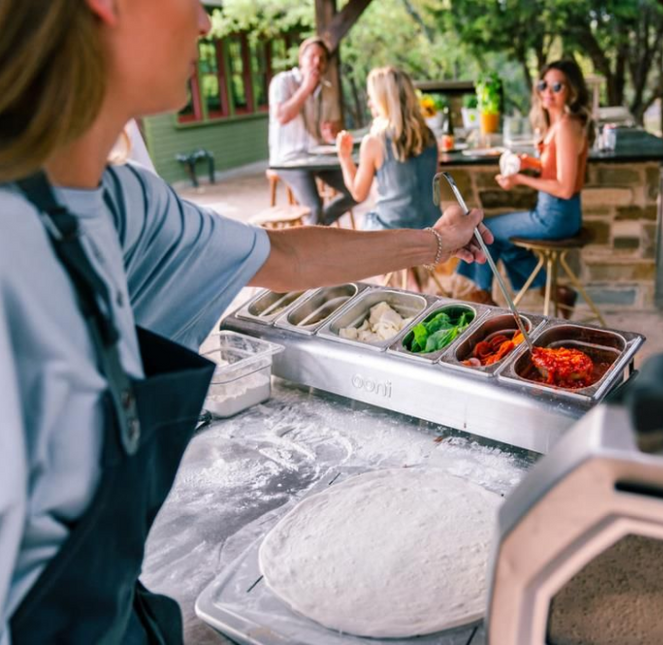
{"points": [[622, 40]]}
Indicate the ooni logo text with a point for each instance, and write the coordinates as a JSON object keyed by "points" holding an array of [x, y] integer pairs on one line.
{"points": [[379, 388]]}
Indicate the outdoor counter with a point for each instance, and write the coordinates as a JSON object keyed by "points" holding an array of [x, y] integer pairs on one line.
{"points": [[620, 208], [237, 470]]}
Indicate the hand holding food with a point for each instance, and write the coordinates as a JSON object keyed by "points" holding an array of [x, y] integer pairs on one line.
{"points": [[310, 81], [507, 181], [344, 143]]}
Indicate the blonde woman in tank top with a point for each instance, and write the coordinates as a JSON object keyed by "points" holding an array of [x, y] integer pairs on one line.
{"points": [[561, 113], [400, 151]]}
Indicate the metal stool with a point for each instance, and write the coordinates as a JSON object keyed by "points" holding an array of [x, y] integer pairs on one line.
{"points": [[552, 253], [281, 216], [274, 179]]}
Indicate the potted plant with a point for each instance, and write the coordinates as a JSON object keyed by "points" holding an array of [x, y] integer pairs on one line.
{"points": [[489, 100], [431, 109], [470, 112]]}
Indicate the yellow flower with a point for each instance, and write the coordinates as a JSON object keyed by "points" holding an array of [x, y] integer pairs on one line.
{"points": [[427, 106]]}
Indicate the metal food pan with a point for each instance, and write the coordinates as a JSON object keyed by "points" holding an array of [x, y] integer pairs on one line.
{"points": [[606, 347], [267, 306], [307, 316], [493, 323], [408, 305], [400, 346]]}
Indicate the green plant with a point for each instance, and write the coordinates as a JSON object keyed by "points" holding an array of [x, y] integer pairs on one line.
{"points": [[470, 101], [489, 93]]}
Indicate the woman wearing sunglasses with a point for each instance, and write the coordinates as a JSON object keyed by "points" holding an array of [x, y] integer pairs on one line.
{"points": [[561, 113]]}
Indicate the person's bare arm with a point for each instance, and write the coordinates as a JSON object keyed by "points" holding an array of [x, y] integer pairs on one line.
{"points": [[289, 109], [568, 141], [314, 256], [358, 180]]}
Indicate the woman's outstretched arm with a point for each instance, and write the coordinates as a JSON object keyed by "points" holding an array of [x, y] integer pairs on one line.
{"points": [[313, 256]]}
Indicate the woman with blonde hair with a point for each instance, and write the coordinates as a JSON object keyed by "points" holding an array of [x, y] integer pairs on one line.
{"points": [[96, 412], [561, 114], [400, 151]]}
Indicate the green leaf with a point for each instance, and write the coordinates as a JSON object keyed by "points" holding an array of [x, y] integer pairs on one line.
{"points": [[440, 339], [420, 334]]}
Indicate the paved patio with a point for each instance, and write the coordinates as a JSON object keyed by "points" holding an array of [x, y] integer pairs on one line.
{"points": [[244, 192]]}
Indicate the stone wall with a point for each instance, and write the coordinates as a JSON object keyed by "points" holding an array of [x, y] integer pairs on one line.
{"points": [[620, 207]]}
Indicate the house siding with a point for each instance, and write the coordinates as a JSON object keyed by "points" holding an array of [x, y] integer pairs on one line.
{"points": [[234, 142]]}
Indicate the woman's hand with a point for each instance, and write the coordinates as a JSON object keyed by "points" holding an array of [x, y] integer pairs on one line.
{"points": [[457, 231], [344, 143], [508, 181]]}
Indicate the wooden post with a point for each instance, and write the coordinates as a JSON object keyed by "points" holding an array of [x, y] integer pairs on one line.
{"points": [[325, 11]]}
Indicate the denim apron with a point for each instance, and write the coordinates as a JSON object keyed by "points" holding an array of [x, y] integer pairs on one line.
{"points": [[89, 592]]}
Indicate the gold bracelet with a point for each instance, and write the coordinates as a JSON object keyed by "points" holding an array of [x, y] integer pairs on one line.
{"points": [[440, 249]]}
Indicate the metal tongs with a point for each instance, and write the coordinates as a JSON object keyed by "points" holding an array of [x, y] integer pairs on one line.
{"points": [[484, 248]]}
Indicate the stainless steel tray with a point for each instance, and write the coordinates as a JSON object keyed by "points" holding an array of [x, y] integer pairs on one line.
{"points": [[496, 322], [239, 604], [267, 306], [616, 348], [498, 404], [408, 305], [451, 306], [307, 315]]}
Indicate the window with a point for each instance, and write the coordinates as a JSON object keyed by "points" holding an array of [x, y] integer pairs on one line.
{"points": [[212, 78], [240, 74], [233, 76]]}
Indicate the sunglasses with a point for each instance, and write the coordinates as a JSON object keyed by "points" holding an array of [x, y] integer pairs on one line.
{"points": [[541, 86]]}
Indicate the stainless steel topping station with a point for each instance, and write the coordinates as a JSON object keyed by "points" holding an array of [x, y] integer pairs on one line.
{"points": [[501, 402]]}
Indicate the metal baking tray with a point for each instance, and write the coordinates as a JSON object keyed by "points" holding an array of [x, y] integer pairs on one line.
{"points": [[500, 405], [267, 306], [239, 604], [308, 315], [407, 305], [496, 321], [611, 348], [453, 308]]}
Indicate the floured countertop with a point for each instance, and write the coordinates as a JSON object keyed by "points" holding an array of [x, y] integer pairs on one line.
{"points": [[238, 469]]}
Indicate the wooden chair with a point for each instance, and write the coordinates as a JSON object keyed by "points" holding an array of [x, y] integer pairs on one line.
{"points": [[281, 216], [274, 179], [553, 253]]}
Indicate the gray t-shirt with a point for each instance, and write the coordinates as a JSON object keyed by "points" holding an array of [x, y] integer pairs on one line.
{"points": [[171, 266]]}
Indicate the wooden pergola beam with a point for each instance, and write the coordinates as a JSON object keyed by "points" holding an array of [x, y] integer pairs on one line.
{"points": [[332, 26]]}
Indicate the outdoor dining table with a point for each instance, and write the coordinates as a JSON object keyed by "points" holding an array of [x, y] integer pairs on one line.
{"points": [[312, 162]]}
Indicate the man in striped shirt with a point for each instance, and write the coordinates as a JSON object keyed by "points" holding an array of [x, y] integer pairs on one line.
{"points": [[304, 114]]}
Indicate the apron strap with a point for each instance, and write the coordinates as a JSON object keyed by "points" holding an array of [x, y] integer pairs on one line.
{"points": [[63, 231]]}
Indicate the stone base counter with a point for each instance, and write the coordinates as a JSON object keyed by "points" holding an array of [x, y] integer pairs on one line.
{"points": [[621, 206]]}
